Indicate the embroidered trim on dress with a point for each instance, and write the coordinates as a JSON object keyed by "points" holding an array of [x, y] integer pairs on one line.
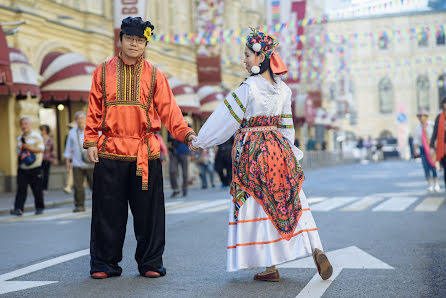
{"points": [[238, 102], [104, 143], [125, 157], [126, 103], [285, 126], [128, 80], [286, 116], [104, 93], [232, 112]]}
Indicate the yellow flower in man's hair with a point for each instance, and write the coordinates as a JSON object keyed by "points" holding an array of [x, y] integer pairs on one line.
{"points": [[148, 33]]}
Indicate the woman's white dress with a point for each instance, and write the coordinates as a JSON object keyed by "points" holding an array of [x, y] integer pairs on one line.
{"points": [[253, 239]]}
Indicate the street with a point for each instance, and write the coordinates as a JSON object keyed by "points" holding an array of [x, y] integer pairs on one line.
{"points": [[384, 233]]}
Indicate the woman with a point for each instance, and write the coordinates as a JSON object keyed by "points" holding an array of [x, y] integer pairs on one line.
{"points": [[49, 155], [421, 146], [269, 221]]}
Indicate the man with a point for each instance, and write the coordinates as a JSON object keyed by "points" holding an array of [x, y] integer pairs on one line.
{"points": [[30, 150], [438, 138], [128, 100], [73, 159]]}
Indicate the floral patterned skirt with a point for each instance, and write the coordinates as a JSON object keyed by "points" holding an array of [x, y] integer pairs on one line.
{"points": [[265, 168]]}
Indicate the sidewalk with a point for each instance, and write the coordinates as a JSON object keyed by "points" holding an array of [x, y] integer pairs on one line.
{"points": [[56, 198]]}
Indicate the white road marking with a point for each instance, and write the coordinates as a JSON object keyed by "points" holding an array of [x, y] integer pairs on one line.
{"points": [[12, 286], [215, 209], [317, 287], [429, 205], [363, 204], [347, 258], [395, 204], [199, 205], [333, 203], [314, 200], [412, 184]]}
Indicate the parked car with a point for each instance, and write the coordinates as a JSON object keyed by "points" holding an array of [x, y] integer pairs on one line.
{"points": [[389, 147]]}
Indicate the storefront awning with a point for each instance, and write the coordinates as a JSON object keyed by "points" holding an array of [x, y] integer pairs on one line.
{"points": [[209, 98], [24, 78], [5, 69], [66, 77], [185, 96]]}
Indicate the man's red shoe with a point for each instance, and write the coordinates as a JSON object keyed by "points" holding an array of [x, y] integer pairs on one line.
{"points": [[152, 274], [99, 275]]}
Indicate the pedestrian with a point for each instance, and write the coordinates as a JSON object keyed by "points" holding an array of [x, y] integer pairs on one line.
{"points": [[438, 139], [311, 144], [223, 162], [69, 180], [179, 158], [421, 147], [206, 156], [411, 146], [49, 155], [128, 100], [270, 222], [77, 158], [30, 155]]}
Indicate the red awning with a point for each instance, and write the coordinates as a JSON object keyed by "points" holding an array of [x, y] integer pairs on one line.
{"points": [[185, 96], [209, 98], [66, 77], [24, 78], [5, 71]]}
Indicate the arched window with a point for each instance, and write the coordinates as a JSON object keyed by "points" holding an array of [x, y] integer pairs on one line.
{"points": [[441, 88], [423, 92], [385, 92], [423, 38]]}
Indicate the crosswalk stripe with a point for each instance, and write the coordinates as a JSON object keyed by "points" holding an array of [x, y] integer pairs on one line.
{"points": [[182, 205], [331, 204], [199, 205], [429, 204], [215, 209], [314, 200], [32, 216], [363, 204], [395, 204]]}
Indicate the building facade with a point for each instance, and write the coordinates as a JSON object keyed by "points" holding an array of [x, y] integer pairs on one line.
{"points": [[54, 45]]}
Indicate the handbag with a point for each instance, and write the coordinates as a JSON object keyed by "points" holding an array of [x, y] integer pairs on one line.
{"points": [[26, 157], [84, 153]]}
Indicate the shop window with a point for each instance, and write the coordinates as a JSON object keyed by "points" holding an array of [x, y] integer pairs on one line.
{"points": [[383, 42], [440, 37], [423, 38], [441, 88]]}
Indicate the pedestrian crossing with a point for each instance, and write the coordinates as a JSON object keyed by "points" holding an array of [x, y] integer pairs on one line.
{"points": [[415, 201]]}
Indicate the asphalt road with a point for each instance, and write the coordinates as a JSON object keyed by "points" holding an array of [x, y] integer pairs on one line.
{"points": [[383, 231]]}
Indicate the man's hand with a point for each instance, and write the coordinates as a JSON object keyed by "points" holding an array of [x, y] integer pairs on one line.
{"points": [[93, 154], [189, 142], [432, 152]]}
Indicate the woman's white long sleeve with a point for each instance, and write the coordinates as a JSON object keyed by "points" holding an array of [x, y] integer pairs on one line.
{"points": [[286, 127], [225, 120]]}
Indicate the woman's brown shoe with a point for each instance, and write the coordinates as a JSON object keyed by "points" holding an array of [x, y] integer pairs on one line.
{"points": [[268, 276], [322, 263]]}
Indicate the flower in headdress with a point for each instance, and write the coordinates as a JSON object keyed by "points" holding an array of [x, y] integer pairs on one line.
{"points": [[148, 33]]}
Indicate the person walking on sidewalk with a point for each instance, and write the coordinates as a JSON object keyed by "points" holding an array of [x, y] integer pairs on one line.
{"points": [[269, 221], [49, 155], [421, 148], [30, 155], [179, 157], [76, 158], [438, 139], [128, 100]]}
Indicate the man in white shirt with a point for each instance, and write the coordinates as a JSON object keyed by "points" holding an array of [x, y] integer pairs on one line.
{"points": [[73, 157], [30, 155]]}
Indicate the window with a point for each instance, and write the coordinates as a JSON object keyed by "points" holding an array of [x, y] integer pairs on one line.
{"points": [[441, 88], [440, 37], [383, 42], [385, 91], [423, 92], [423, 38]]}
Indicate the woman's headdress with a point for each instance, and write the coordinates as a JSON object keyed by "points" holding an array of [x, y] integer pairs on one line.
{"points": [[261, 42]]}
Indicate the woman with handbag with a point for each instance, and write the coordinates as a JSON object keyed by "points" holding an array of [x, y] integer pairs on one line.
{"points": [[77, 157]]}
